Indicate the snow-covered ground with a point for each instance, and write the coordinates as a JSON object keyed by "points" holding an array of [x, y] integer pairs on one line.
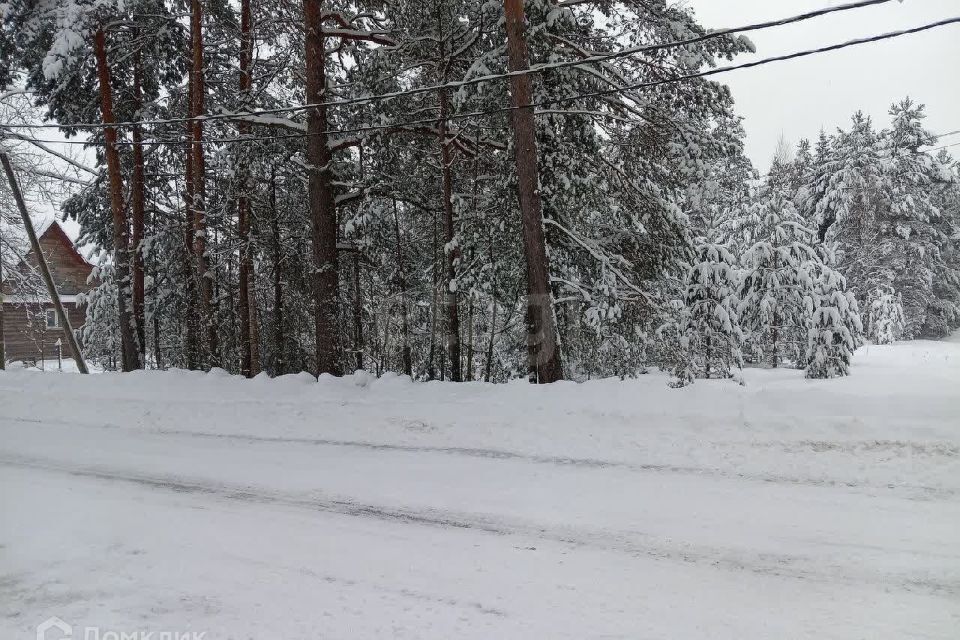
{"points": [[360, 508]]}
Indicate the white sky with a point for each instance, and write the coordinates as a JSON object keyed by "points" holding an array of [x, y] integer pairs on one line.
{"points": [[798, 97]]}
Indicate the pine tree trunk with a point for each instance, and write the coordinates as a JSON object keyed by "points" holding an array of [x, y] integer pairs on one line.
{"points": [[138, 205], [323, 213], [488, 370], [157, 353], [191, 337], [476, 213], [381, 358], [279, 364], [402, 282], [376, 348], [191, 345], [543, 349], [358, 313], [256, 364], [450, 293], [243, 286], [205, 282], [243, 203], [469, 373], [432, 353], [776, 321], [774, 348], [709, 355], [128, 345], [431, 371]]}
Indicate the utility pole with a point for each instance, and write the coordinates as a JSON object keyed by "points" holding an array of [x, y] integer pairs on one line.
{"points": [[543, 348], [44, 269]]}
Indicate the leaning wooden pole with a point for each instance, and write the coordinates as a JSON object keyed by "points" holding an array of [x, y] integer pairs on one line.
{"points": [[44, 269]]}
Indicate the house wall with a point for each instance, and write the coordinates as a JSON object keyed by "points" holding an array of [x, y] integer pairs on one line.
{"points": [[25, 335]]}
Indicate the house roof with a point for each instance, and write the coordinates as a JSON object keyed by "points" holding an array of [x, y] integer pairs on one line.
{"points": [[54, 231], [70, 270]]}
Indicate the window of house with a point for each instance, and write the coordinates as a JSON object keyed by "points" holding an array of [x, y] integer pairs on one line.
{"points": [[53, 321]]}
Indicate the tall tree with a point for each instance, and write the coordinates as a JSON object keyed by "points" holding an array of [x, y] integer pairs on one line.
{"points": [[543, 347], [199, 196], [246, 300], [451, 252], [323, 211], [138, 203], [130, 352], [776, 291]]}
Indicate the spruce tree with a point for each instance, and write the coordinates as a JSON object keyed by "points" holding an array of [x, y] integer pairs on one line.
{"points": [[836, 329], [873, 193], [710, 330], [776, 292]]}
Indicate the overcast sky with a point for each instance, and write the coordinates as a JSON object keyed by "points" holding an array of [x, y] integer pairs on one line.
{"points": [[798, 97]]}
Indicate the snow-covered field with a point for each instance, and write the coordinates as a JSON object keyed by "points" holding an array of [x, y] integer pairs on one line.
{"points": [[360, 508]]}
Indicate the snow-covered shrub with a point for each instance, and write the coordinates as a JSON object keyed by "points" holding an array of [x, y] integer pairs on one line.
{"points": [[886, 321]]}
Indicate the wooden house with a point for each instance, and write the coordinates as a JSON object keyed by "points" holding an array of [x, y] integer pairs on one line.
{"points": [[31, 327]]}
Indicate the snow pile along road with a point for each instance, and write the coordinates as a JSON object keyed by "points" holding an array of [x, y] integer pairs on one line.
{"points": [[363, 508]]}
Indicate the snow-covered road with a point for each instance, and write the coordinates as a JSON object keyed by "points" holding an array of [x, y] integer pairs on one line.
{"points": [[380, 509]]}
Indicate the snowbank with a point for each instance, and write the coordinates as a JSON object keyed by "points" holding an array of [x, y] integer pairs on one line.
{"points": [[886, 424], [382, 508]]}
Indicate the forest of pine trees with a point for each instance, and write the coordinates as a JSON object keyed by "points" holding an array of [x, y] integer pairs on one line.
{"points": [[332, 185]]}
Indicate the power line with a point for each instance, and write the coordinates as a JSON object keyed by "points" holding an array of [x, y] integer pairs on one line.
{"points": [[943, 135], [542, 103], [478, 80], [654, 83], [946, 146]]}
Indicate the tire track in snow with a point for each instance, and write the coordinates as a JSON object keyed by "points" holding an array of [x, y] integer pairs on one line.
{"points": [[402, 592], [628, 542], [911, 491]]}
